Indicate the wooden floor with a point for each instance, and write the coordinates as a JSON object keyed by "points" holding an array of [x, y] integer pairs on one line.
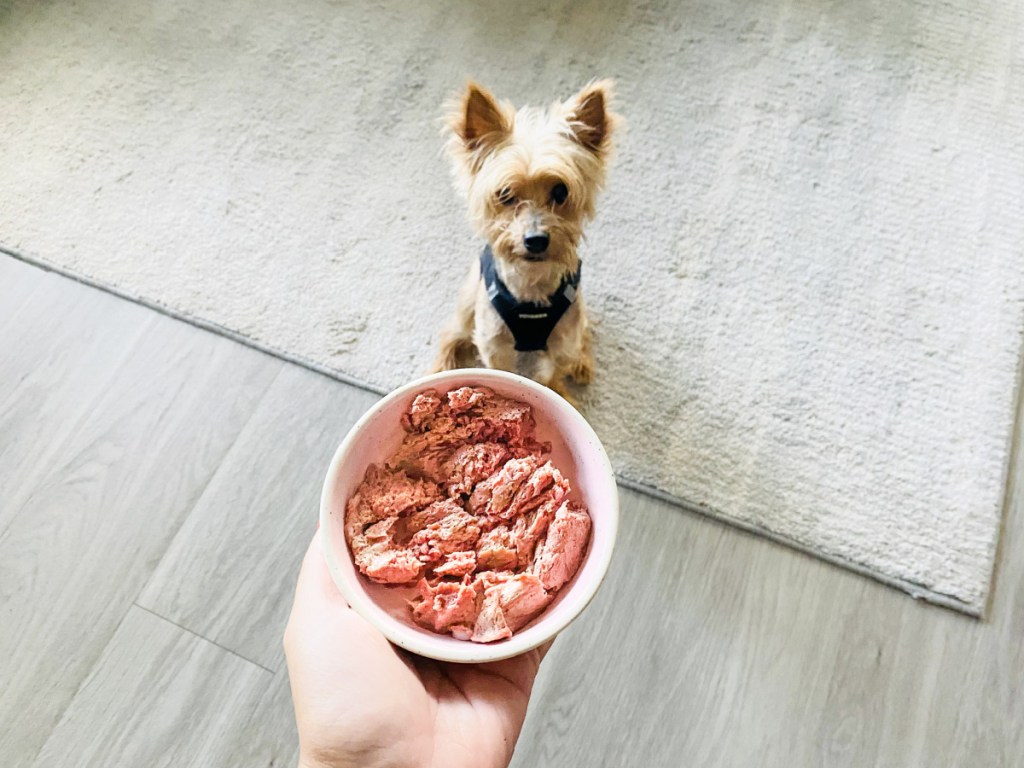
{"points": [[158, 485]]}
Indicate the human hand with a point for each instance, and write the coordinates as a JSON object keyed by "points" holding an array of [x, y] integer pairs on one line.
{"points": [[360, 701]]}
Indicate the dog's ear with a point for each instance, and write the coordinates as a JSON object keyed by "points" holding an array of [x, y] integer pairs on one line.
{"points": [[478, 120], [589, 116]]}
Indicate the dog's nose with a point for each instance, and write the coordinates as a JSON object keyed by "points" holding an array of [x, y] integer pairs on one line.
{"points": [[536, 242]]}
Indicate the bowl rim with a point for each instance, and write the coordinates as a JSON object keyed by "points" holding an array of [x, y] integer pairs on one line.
{"points": [[466, 651]]}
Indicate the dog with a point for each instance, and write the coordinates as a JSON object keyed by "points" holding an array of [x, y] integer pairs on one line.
{"points": [[531, 179]]}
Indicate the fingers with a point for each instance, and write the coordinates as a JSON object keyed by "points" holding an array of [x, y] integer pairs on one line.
{"points": [[316, 596], [520, 670], [315, 581], [530, 664], [543, 649]]}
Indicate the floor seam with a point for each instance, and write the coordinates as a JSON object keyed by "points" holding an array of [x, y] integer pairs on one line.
{"points": [[202, 637]]}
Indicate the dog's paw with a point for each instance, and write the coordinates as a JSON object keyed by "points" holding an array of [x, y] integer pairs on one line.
{"points": [[560, 388], [582, 372]]}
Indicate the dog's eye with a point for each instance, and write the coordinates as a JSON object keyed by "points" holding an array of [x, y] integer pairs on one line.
{"points": [[505, 196], [559, 193]]}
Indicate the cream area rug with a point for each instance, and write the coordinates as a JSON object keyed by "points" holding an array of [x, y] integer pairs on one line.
{"points": [[807, 271]]}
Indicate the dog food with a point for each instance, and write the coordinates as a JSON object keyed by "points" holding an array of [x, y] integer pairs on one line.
{"points": [[470, 511]]}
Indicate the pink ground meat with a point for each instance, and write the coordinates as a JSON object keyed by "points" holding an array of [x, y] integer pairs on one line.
{"points": [[469, 510]]}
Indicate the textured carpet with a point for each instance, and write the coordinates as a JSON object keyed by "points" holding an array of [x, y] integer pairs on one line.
{"points": [[806, 273]]}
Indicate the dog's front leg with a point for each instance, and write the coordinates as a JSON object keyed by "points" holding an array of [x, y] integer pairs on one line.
{"points": [[497, 353], [581, 369], [558, 385]]}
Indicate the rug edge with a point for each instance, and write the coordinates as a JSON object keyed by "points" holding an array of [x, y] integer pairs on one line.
{"points": [[206, 325], [916, 591], [913, 589], [1010, 459]]}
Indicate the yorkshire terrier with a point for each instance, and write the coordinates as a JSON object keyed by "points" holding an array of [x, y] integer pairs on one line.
{"points": [[531, 180]]}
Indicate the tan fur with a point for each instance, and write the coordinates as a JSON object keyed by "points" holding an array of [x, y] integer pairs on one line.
{"points": [[506, 163]]}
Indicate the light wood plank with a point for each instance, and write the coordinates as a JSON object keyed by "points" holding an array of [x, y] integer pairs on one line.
{"points": [[158, 697], [61, 353], [18, 282], [230, 572], [105, 499], [266, 736]]}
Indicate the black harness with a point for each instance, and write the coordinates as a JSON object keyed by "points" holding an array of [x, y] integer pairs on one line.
{"points": [[530, 324]]}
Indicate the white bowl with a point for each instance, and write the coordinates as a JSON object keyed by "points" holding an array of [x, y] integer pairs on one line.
{"points": [[576, 451]]}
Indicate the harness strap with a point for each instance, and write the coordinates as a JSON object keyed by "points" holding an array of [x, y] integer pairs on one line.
{"points": [[531, 324]]}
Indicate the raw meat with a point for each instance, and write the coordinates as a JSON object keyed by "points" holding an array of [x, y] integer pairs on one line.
{"points": [[559, 557], [469, 510]]}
